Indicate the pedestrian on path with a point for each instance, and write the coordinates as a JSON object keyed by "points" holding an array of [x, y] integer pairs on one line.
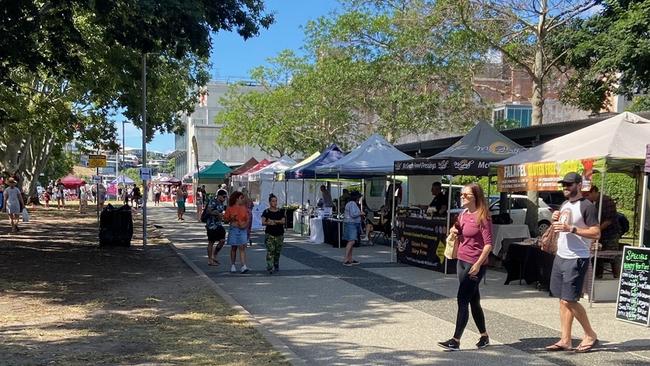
{"points": [[576, 225], [237, 215], [352, 226], [180, 203], [474, 229], [13, 203], [214, 225], [273, 218], [60, 194]]}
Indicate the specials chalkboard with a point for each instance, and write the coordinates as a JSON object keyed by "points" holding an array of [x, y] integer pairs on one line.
{"points": [[633, 300]]}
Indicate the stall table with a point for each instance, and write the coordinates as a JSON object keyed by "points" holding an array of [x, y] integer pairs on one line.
{"points": [[316, 234], [525, 260], [500, 232]]}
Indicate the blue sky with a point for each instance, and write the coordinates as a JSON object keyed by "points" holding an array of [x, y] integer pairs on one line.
{"points": [[232, 57]]}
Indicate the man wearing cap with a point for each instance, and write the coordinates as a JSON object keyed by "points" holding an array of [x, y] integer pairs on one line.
{"points": [[214, 225], [576, 224]]}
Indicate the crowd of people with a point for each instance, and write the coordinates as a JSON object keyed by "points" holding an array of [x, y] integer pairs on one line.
{"points": [[575, 223]]}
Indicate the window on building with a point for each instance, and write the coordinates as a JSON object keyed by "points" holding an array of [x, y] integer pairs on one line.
{"points": [[498, 115], [522, 114]]}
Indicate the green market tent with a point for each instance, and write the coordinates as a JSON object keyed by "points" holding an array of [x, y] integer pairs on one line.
{"points": [[215, 172]]}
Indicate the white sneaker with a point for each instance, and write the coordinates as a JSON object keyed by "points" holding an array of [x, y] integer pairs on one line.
{"points": [[244, 269], [233, 269]]}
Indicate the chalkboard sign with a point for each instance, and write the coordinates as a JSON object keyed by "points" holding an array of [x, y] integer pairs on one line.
{"points": [[633, 301]]}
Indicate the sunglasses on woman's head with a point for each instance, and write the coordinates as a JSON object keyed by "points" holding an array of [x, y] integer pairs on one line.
{"points": [[466, 195]]}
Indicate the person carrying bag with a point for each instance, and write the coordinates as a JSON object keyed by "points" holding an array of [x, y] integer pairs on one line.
{"points": [[451, 248]]}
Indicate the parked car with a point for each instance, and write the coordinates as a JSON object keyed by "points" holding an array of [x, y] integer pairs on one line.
{"points": [[518, 207], [554, 199]]}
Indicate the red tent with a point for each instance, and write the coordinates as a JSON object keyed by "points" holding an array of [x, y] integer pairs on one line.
{"points": [[247, 165], [244, 176], [70, 181]]}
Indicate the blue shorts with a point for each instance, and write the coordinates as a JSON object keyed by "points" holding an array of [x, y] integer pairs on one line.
{"points": [[237, 236], [351, 231], [567, 278]]}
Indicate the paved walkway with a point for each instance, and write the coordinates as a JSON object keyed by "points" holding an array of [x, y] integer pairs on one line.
{"points": [[380, 313]]}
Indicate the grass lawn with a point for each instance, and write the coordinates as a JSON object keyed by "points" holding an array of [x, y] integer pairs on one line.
{"points": [[65, 301]]}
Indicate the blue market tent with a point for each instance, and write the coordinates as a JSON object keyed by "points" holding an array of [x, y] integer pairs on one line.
{"points": [[331, 154], [373, 158], [122, 179]]}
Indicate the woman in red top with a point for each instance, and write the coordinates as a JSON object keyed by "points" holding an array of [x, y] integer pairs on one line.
{"points": [[474, 229]]}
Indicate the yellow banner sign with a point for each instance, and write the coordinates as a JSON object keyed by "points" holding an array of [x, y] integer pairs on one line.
{"points": [[543, 176], [96, 161]]}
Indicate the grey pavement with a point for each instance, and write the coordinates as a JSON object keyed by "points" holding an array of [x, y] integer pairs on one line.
{"points": [[382, 313]]}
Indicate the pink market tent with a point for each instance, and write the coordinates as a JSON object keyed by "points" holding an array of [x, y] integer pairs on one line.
{"points": [[70, 181]]}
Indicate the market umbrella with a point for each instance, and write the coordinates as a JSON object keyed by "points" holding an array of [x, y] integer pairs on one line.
{"points": [[70, 181]]}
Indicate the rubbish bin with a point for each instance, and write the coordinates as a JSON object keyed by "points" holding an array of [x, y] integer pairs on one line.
{"points": [[116, 226]]}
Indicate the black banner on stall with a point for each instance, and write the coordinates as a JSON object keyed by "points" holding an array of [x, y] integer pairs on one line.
{"points": [[633, 301], [446, 166], [420, 241]]}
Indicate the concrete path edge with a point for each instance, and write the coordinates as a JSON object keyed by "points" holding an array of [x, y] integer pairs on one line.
{"points": [[275, 341]]}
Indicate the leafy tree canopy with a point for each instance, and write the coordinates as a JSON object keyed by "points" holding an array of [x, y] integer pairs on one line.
{"points": [[607, 54], [390, 67], [67, 67], [45, 34]]}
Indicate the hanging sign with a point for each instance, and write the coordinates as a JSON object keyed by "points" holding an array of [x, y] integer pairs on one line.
{"points": [[96, 161], [542, 176]]}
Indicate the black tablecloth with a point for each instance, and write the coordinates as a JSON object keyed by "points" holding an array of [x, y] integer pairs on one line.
{"points": [[535, 264], [330, 231]]}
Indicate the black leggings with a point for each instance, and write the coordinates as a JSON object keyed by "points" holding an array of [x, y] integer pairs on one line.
{"points": [[468, 295]]}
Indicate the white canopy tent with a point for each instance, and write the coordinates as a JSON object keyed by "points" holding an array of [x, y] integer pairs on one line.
{"points": [[619, 141], [269, 171], [616, 145]]}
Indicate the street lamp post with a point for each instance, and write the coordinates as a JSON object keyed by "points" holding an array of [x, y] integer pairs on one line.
{"points": [[144, 148]]}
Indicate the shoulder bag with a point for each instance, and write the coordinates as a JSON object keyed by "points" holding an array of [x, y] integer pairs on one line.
{"points": [[451, 247], [548, 241]]}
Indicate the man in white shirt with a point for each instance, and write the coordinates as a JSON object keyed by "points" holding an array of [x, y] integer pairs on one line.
{"points": [[576, 225]]}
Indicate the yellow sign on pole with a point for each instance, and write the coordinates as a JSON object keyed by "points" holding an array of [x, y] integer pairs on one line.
{"points": [[96, 161]]}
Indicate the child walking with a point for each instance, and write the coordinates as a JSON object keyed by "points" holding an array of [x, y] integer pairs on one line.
{"points": [[237, 215], [274, 220]]}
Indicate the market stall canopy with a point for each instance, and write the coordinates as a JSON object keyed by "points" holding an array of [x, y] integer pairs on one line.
{"points": [[122, 179], [247, 165], [471, 155], [217, 171], [309, 159], [374, 157], [617, 144], [268, 172], [308, 171], [70, 181], [243, 177], [169, 180]]}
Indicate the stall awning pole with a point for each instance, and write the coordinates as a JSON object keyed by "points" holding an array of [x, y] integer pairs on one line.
{"points": [[643, 210], [339, 223], [392, 222], [302, 208], [600, 213], [449, 194]]}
